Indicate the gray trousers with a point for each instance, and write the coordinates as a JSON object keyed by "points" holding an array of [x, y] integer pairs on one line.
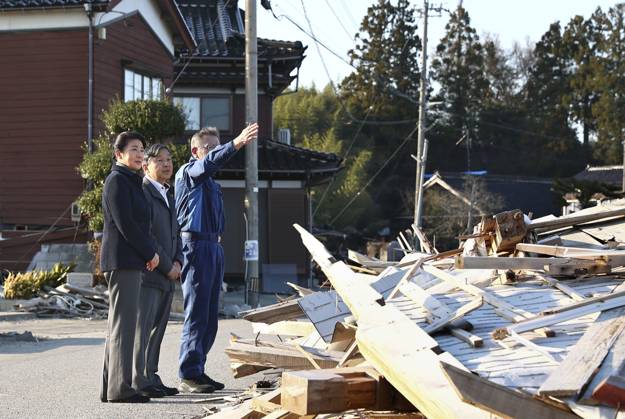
{"points": [[154, 308], [124, 289]]}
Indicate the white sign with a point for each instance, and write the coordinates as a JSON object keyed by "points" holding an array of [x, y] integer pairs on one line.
{"points": [[251, 250]]}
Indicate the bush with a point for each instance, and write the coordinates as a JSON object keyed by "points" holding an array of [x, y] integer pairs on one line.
{"points": [[158, 121], [26, 285]]}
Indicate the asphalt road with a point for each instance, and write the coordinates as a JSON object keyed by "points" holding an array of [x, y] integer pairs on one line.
{"points": [[59, 376]]}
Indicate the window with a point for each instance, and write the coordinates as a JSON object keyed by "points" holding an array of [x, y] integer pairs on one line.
{"points": [[139, 86], [206, 112]]}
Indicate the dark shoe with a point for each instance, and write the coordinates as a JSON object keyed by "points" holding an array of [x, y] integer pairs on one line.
{"points": [[103, 400], [152, 392], [195, 385], [169, 391], [216, 384], [135, 398]]}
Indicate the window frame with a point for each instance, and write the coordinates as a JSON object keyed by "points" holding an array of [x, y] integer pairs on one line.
{"points": [[230, 99], [141, 76]]}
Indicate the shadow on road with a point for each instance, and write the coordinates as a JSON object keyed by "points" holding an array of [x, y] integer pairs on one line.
{"points": [[43, 345]]}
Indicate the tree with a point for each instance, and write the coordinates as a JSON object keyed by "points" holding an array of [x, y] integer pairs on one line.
{"points": [[380, 100], [458, 67], [609, 82], [158, 121], [580, 44]]}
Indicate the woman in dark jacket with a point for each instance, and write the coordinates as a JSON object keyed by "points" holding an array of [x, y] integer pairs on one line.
{"points": [[127, 249]]}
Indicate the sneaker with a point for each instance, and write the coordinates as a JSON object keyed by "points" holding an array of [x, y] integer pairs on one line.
{"points": [[169, 391], [195, 385], [216, 384]]}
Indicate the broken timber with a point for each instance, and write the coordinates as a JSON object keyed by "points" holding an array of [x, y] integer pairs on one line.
{"points": [[393, 344]]}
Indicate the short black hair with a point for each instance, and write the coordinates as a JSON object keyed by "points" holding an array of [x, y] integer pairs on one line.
{"points": [[125, 137], [153, 151]]}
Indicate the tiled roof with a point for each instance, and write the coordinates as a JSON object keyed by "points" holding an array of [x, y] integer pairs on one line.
{"points": [[26, 4], [281, 161], [609, 175], [218, 29]]}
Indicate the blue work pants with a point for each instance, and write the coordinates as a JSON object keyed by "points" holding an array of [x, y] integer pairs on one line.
{"points": [[202, 276]]}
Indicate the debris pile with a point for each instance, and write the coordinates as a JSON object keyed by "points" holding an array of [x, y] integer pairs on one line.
{"points": [[68, 301], [524, 320]]}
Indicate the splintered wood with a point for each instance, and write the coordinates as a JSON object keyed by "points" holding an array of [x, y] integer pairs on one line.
{"points": [[439, 335]]}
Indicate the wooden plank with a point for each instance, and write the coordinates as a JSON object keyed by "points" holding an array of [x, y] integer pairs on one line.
{"points": [[559, 266], [276, 357], [561, 286], [284, 310], [268, 402], [574, 220], [564, 315], [468, 337], [614, 362], [553, 250], [436, 309], [394, 345], [585, 356], [284, 328], [499, 399], [459, 313], [243, 370]]}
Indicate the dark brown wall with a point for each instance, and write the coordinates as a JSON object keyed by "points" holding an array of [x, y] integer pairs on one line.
{"points": [[43, 120], [43, 111], [128, 43]]}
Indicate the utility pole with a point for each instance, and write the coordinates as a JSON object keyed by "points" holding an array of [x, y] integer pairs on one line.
{"points": [[418, 208], [623, 143], [251, 156]]}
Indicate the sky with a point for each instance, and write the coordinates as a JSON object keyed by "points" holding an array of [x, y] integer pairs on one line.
{"points": [[334, 23]]}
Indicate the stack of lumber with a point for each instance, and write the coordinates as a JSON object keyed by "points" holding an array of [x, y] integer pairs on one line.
{"points": [[524, 320]]}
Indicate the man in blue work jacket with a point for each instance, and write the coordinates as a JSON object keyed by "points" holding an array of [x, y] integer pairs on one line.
{"points": [[199, 205]]}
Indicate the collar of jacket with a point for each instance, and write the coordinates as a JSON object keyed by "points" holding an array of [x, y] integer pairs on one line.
{"points": [[127, 172]]}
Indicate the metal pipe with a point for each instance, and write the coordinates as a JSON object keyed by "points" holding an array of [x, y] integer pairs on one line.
{"points": [[89, 10]]}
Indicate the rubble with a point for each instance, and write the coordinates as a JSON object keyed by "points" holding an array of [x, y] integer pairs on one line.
{"points": [[524, 320], [68, 301]]}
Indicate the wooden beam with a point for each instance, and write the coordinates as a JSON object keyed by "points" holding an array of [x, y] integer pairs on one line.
{"points": [[268, 402], [394, 344], [243, 370], [327, 391], [556, 266], [585, 356], [561, 286], [285, 310], [553, 250], [499, 399], [279, 357], [574, 220], [473, 340], [458, 314], [567, 313]]}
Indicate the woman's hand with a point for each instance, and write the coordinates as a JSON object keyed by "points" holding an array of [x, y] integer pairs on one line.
{"points": [[152, 264]]}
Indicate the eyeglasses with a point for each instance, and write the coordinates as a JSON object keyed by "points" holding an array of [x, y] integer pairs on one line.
{"points": [[209, 147]]}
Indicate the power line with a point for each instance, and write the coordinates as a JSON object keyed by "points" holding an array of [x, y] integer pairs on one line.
{"points": [[372, 178], [350, 36]]}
